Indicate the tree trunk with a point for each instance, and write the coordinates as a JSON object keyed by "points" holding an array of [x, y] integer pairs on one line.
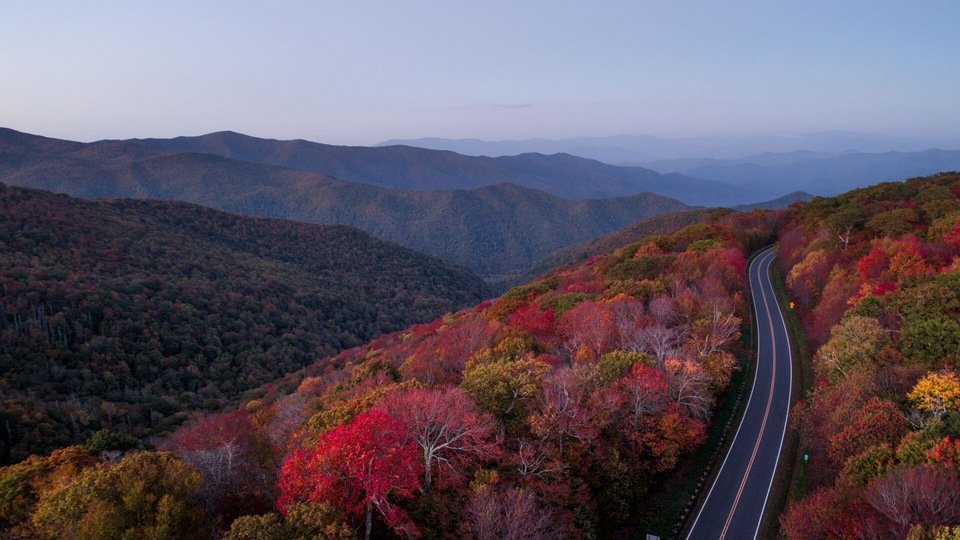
{"points": [[427, 480], [369, 520]]}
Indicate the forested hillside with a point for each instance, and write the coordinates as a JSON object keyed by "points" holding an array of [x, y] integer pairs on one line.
{"points": [[875, 276], [663, 224], [130, 315], [553, 410]]}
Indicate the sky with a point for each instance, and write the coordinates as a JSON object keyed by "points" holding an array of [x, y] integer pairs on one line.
{"points": [[361, 72]]}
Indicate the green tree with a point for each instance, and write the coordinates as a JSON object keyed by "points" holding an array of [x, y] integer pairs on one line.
{"points": [[872, 463], [930, 339], [313, 521], [502, 380], [894, 223], [146, 495], [22, 485], [854, 343]]}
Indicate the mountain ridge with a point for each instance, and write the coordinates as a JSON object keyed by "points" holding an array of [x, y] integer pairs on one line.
{"points": [[408, 167], [620, 149], [497, 231]]}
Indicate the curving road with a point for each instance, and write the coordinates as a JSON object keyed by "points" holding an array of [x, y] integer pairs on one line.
{"points": [[735, 503]]}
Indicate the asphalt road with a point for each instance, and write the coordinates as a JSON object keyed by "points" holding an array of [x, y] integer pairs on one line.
{"points": [[734, 505]]}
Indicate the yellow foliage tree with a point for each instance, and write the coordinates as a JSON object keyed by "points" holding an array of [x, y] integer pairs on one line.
{"points": [[937, 393]]}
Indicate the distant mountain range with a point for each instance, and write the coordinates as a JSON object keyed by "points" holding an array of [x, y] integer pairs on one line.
{"points": [[497, 216], [643, 149], [819, 174], [407, 167], [498, 231], [767, 166]]}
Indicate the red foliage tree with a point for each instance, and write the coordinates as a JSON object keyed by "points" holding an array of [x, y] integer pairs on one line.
{"points": [[840, 288], [356, 467], [688, 383], [813, 517], [808, 277], [459, 341], [828, 410], [663, 438], [877, 422], [447, 426], [947, 452], [563, 411], [642, 393], [894, 260], [588, 330], [440, 356], [229, 453], [833, 512], [530, 319], [922, 494]]}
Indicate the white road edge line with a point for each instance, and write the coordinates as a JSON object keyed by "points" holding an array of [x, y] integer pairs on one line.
{"points": [[783, 435], [749, 399]]}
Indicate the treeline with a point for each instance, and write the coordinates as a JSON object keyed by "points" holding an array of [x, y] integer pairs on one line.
{"points": [[131, 315], [875, 276]]}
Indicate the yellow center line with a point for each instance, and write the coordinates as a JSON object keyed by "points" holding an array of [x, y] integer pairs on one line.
{"points": [[766, 413]]}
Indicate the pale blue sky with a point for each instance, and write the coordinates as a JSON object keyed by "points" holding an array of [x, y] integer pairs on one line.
{"points": [[359, 72]]}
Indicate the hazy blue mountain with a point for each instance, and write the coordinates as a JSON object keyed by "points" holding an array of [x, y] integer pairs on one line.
{"points": [[642, 149], [835, 174], [599, 149], [407, 167], [766, 159]]}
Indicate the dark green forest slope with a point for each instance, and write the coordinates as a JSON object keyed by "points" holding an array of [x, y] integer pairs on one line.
{"points": [[128, 314]]}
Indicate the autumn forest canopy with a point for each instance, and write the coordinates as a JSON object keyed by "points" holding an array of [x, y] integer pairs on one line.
{"points": [[174, 371], [132, 315]]}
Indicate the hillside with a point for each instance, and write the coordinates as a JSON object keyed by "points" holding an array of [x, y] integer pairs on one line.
{"points": [[558, 409], [497, 231], [129, 314], [663, 224], [407, 167], [778, 203], [875, 279]]}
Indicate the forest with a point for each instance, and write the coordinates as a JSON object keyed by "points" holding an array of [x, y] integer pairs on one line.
{"points": [[557, 409], [132, 315], [875, 277], [552, 410]]}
